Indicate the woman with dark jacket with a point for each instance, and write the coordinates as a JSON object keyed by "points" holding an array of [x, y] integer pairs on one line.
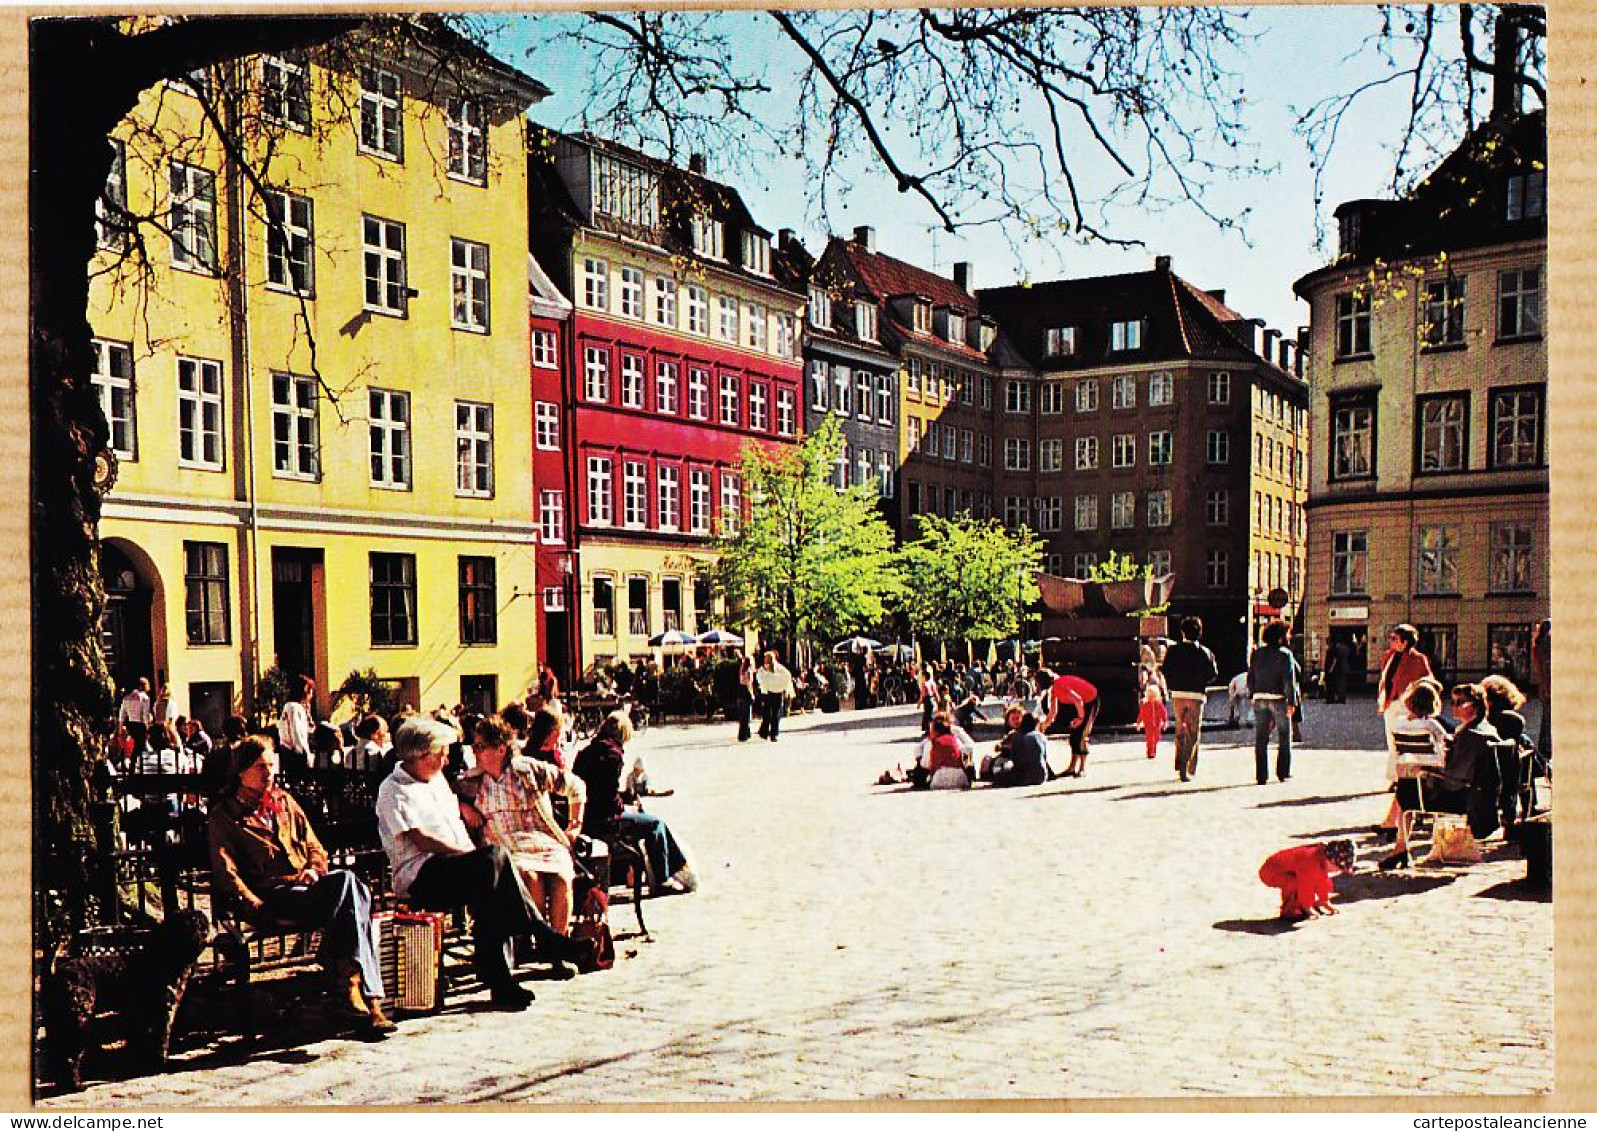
{"points": [[1467, 783], [1503, 701], [600, 765]]}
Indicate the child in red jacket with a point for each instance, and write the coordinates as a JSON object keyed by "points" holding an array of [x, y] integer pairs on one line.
{"points": [[1153, 715], [1304, 876]]}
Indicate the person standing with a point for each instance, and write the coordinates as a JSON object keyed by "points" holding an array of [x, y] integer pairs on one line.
{"points": [[743, 698], [1402, 667], [1336, 673], [294, 725], [1541, 665], [1189, 669], [1275, 681], [1072, 694], [775, 685], [136, 711]]}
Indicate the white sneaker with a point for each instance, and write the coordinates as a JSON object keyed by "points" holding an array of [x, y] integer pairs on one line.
{"points": [[683, 879]]}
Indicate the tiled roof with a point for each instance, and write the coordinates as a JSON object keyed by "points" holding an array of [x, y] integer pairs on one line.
{"points": [[881, 277]]}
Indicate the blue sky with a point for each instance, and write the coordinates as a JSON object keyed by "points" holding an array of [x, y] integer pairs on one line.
{"points": [[1297, 55]]}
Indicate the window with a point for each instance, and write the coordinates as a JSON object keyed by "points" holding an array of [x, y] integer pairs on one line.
{"points": [[986, 392], [1438, 560], [383, 242], [545, 349], [205, 592], [1526, 196], [698, 309], [1159, 508], [1051, 454], [474, 449], [699, 394], [757, 253], [1516, 427], [1123, 450], [113, 380], [596, 374], [1015, 508], [388, 425], [820, 384], [1086, 453], [1217, 507], [955, 327], [1052, 396], [1519, 303], [1511, 558], [754, 326], [1160, 446], [626, 191], [1050, 514], [699, 502], [729, 400], [1083, 563], [1444, 312], [840, 471], [110, 224], [1443, 439], [1017, 453], [703, 603], [666, 384], [1159, 562], [727, 325], [601, 492], [552, 516], [1219, 447], [1220, 388], [290, 243], [634, 495], [732, 498], [786, 415], [631, 381], [707, 236], [285, 91], [1017, 396], [1216, 569], [1353, 439], [984, 450], [787, 340], [865, 321], [1353, 325], [468, 285], [631, 292], [1086, 512], [884, 473], [393, 598], [1125, 336], [1122, 510], [820, 312], [862, 394], [1087, 395], [296, 432], [912, 375], [192, 217], [479, 601], [1123, 391], [668, 497], [913, 426], [468, 140], [596, 284], [604, 606], [671, 604], [199, 413], [1059, 341], [967, 445], [381, 124], [884, 398], [1508, 651], [1161, 388], [759, 406]]}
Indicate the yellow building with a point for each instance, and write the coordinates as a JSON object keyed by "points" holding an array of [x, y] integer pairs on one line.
{"points": [[315, 370]]}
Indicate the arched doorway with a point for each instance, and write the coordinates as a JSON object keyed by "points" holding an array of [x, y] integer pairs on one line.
{"points": [[127, 628]]}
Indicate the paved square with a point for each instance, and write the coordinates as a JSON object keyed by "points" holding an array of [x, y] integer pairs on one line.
{"points": [[1099, 937]]}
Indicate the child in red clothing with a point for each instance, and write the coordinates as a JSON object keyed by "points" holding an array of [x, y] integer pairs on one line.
{"points": [[1153, 715], [1304, 876]]}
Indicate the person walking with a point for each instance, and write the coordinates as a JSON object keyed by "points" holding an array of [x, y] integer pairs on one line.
{"points": [[1275, 682], [1402, 667], [1189, 668], [743, 698], [775, 684]]}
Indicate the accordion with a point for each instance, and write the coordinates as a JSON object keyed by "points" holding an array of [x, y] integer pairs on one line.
{"points": [[410, 947]]}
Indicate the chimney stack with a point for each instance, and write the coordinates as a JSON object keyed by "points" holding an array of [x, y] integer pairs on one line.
{"points": [[1218, 294], [1284, 354], [1270, 336], [1161, 264], [1303, 350], [962, 275], [696, 163], [784, 237], [865, 236]]}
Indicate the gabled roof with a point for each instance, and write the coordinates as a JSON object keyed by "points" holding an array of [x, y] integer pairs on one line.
{"points": [[880, 278]]}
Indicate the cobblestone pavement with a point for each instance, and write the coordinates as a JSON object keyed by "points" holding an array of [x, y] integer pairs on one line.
{"points": [[1099, 937]]}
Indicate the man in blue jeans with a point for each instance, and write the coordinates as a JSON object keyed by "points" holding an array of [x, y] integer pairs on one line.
{"points": [[1274, 681]]}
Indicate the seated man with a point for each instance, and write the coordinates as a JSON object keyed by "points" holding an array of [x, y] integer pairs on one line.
{"points": [[266, 857], [436, 865]]}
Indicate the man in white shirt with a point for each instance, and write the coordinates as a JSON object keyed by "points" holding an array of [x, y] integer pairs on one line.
{"points": [[436, 865], [136, 711], [294, 726], [775, 684]]}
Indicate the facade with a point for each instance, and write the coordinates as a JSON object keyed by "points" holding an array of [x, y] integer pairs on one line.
{"points": [[684, 347], [549, 324], [1141, 415], [359, 503], [1428, 370]]}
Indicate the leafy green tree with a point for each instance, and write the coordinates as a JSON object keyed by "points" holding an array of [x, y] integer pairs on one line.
{"points": [[810, 561], [1124, 567], [969, 578]]}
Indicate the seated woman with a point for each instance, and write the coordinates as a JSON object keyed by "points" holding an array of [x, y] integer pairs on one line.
{"points": [[511, 797], [945, 757], [267, 859], [1466, 779], [600, 765], [543, 735], [1503, 701], [1415, 715], [1027, 760]]}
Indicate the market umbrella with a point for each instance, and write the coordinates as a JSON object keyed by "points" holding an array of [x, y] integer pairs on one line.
{"points": [[897, 651], [673, 639], [720, 638], [856, 644]]}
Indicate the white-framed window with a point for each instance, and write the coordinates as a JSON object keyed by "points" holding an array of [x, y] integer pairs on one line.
{"points": [[727, 324], [1017, 397], [1159, 508], [1349, 562], [731, 503], [631, 380], [1159, 562], [865, 321], [754, 326], [1050, 514], [296, 428], [984, 450], [986, 392], [626, 191], [667, 380], [468, 140], [1051, 454], [840, 469], [862, 394], [1160, 446], [668, 496], [1086, 516], [884, 474], [113, 381], [665, 302], [954, 327], [699, 393], [634, 494], [697, 303], [1087, 394], [967, 385], [1123, 450], [595, 284], [192, 216], [601, 491], [698, 502], [290, 243], [474, 449], [1216, 569], [1123, 391], [759, 406], [912, 424], [596, 374], [929, 439], [554, 598], [912, 371], [110, 224], [921, 316], [1352, 325], [603, 604], [843, 381], [820, 311], [1526, 196], [1083, 563], [967, 446], [884, 398], [1516, 432], [1438, 560], [1217, 507], [1125, 336], [786, 412], [199, 413], [1519, 303], [757, 253], [862, 467], [1444, 312], [468, 285], [285, 91], [1352, 440], [1060, 341], [382, 130], [546, 426], [1017, 453], [1161, 388], [1122, 510], [1512, 564], [388, 420], [545, 349], [1017, 510], [708, 236], [730, 395], [1051, 398], [820, 384], [630, 291], [1219, 447], [950, 436], [552, 516], [1220, 388], [786, 336], [1086, 453], [383, 248]]}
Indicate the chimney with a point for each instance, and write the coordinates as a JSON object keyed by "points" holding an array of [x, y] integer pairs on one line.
{"points": [[1270, 336], [865, 236], [1506, 92], [784, 237], [1284, 354], [1161, 264], [696, 163], [1218, 294], [1303, 350], [962, 275]]}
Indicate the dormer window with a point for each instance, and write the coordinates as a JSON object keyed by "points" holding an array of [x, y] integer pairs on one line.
{"points": [[865, 321], [1124, 336], [707, 236], [986, 335], [820, 308], [1060, 341], [1527, 196], [923, 317], [956, 327], [625, 191], [756, 253], [1348, 227]]}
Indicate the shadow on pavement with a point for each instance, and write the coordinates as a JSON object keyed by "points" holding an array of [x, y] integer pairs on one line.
{"points": [[1518, 891], [1273, 926], [1185, 790], [1072, 792], [1297, 802], [1360, 831], [1361, 886]]}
